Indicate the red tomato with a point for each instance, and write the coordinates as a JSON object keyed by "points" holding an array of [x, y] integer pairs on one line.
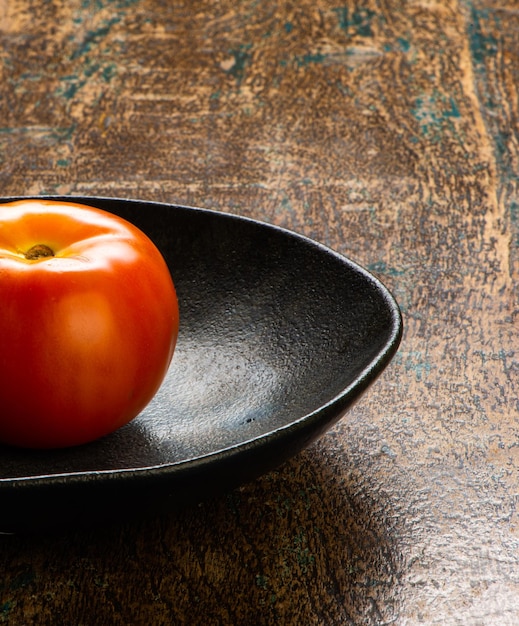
{"points": [[88, 323]]}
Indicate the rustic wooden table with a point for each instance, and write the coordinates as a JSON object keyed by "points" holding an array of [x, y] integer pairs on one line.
{"points": [[388, 130]]}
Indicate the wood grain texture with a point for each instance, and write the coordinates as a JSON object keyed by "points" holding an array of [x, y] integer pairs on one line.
{"points": [[388, 130]]}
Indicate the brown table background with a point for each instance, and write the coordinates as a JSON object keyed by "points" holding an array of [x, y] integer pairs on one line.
{"points": [[388, 130]]}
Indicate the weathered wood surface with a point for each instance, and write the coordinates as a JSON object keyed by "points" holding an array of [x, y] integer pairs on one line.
{"points": [[386, 129]]}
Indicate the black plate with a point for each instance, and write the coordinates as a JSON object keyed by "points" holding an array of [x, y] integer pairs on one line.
{"points": [[278, 336]]}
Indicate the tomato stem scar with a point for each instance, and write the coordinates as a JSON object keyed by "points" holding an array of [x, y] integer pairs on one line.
{"points": [[39, 251]]}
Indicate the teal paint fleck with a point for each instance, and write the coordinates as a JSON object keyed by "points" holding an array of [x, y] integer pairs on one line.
{"points": [[359, 21], [261, 581], [100, 582], [5, 609], [306, 59], [380, 267], [283, 507], [481, 45], [434, 112], [71, 89], [342, 14], [123, 4], [91, 7], [289, 27], [403, 44], [506, 358], [305, 558], [453, 111], [108, 72], [90, 69], [484, 46], [286, 205], [71, 84], [99, 5], [93, 37], [416, 362], [241, 59], [422, 113], [387, 451], [63, 162], [63, 133]]}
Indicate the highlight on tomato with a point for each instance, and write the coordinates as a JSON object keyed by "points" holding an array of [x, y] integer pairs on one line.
{"points": [[88, 323]]}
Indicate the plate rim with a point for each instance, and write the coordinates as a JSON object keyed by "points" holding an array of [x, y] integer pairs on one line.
{"points": [[345, 398]]}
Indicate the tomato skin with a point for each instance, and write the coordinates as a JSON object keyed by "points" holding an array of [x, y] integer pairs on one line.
{"points": [[86, 335]]}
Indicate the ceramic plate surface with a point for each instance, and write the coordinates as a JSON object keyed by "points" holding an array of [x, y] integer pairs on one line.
{"points": [[278, 336]]}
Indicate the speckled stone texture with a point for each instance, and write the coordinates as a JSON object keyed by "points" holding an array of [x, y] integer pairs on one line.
{"points": [[388, 130]]}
